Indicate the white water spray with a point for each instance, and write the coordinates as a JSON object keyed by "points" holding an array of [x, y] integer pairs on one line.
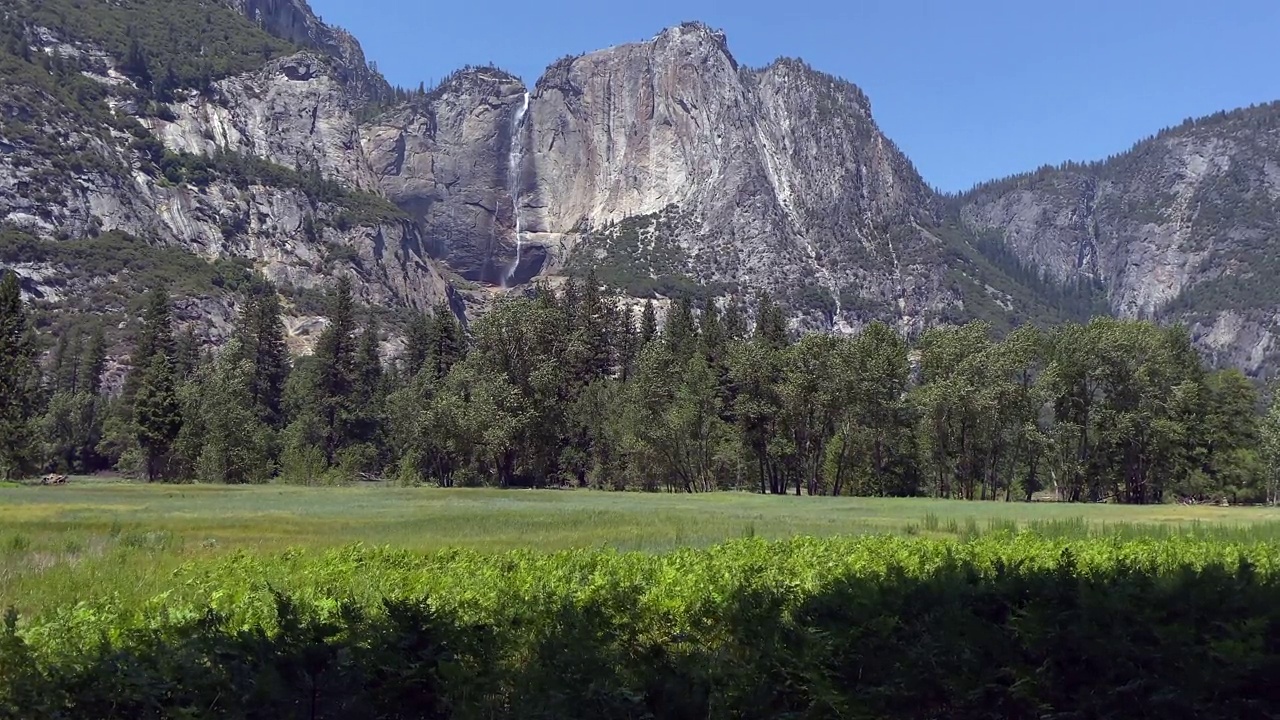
{"points": [[514, 158]]}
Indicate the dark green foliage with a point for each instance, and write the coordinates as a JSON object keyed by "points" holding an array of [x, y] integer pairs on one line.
{"points": [[261, 334], [155, 337], [71, 427], [236, 443], [333, 401], [681, 331], [116, 253], [157, 415], [19, 382], [165, 45], [771, 323], [749, 630], [186, 354], [152, 388], [648, 323], [386, 664], [979, 263]]}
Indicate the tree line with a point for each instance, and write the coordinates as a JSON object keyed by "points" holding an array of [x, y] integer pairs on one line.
{"points": [[573, 387]]}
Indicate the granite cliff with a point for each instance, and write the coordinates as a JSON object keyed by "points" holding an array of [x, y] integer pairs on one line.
{"points": [[664, 166], [667, 165], [1183, 227]]}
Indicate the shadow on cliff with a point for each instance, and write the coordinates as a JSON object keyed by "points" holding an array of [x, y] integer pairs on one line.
{"points": [[504, 272]]}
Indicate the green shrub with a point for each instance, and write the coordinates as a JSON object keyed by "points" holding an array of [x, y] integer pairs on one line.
{"points": [[1004, 626]]}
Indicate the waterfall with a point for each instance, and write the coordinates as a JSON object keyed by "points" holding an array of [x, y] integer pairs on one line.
{"points": [[514, 158]]}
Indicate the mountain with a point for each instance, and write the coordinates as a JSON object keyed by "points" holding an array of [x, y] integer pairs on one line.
{"points": [[198, 142], [666, 166], [1183, 227], [157, 128]]}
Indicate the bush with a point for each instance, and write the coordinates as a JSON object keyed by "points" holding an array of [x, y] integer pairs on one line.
{"points": [[1003, 626]]}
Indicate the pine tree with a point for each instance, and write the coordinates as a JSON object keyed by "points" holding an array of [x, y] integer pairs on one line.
{"points": [[136, 65], [19, 382], [418, 343], [186, 354], [369, 361], [590, 335], [262, 344], [155, 338], [446, 344], [734, 324], [151, 388], [570, 296], [681, 332], [771, 324], [648, 324], [626, 342], [712, 330], [93, 361], [235, 448], [335, 378], [64, 366], [157, 415]]}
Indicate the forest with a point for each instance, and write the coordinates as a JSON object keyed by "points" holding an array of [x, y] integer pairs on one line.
{"points": [[576, 388]]}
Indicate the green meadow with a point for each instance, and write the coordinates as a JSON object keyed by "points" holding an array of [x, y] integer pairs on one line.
{"points": [[87, 540]]}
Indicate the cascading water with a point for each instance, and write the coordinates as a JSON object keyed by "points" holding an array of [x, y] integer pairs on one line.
{"points": [[514, 157]]}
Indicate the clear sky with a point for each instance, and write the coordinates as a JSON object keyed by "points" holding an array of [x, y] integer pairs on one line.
{"points": [[971, 89]]}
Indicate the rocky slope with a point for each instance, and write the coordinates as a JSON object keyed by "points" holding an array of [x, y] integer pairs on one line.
{"points": [[1181, 228], [664, 166], [265, 166]]}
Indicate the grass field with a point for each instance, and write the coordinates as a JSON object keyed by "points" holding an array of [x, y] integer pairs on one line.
{"points": [[85, 539]]}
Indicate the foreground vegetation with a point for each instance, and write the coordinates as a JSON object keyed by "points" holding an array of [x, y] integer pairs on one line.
{"points": [[873, 628], [93, 541]]}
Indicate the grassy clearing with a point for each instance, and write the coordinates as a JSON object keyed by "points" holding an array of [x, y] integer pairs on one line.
{"points": [[89, 541]]}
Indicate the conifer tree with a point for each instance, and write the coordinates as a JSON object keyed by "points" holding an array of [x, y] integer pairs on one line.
{"points": [[648, 324], [626, 342], [65, 363], [261, 342], [446, 344], [93, 362], [335, 376], [186, 354], [19, 382], [369, 361], [590, 335], [417, 343], [235, 448], [711, 329], [152, 387], [157, 413], [734, 324], [154, 338], [771, 324], [681, 332]]}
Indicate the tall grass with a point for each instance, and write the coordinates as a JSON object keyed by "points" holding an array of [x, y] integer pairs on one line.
{"points": [[89, 542]]}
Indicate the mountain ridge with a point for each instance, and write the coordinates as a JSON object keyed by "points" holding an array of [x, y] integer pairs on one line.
{"points": [[664, 165]]}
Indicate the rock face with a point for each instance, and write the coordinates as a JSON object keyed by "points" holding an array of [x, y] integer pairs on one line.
{"points": [[298, 114], [1182, 227], [779, 177], [293, 20], [294, 112], [665, 166], [785, 180], [444, 159]]}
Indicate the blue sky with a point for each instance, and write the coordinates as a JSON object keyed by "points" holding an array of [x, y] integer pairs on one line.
{"points": [[971, 90]]}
